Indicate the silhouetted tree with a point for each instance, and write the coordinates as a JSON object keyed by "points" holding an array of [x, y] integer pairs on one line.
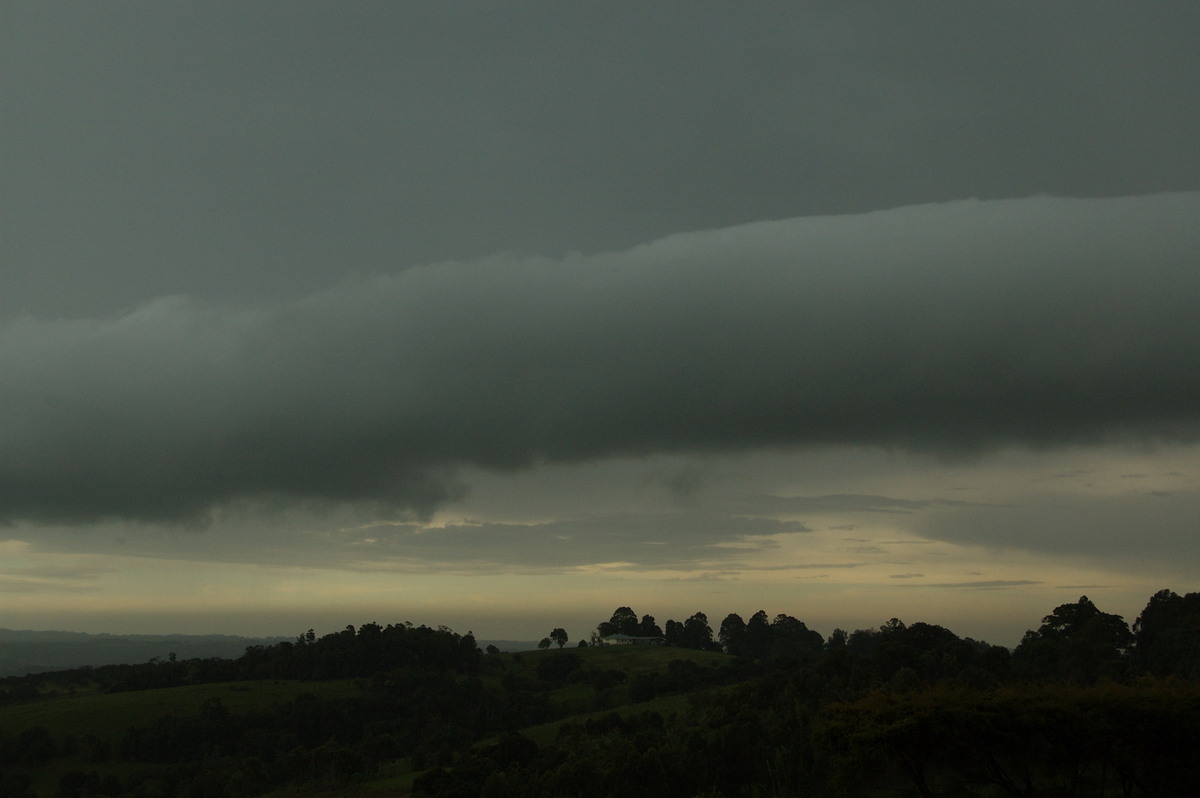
{"points": [[559, 636], [697, 633], [732, 633], [1076, 642], [758, 636], [792, 638], [1167, 635], [648, 628], [624, 621]]}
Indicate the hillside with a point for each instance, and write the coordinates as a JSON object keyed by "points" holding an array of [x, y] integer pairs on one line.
{"points": [[72, 728], [1084, 706]]}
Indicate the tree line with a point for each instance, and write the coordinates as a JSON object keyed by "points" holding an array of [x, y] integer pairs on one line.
{"points": [[1085, 705], [1075, 642]]}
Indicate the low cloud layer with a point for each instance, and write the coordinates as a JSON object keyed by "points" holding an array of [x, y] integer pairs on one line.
{"points": [[948, 328], [1132, 529], [676, 540]]}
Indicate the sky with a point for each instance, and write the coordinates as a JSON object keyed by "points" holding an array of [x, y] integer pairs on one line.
{"points": [[504, 316]]}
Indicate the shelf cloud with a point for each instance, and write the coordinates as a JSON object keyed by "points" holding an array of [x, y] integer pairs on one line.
{"points": [[949, 328]]}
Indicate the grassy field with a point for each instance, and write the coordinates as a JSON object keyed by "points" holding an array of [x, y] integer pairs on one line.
{"points": [[83, 713], [108, 715], [546, 733], [632, 660]]}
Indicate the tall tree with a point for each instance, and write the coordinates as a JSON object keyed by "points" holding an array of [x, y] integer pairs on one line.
{"points": [[1167, 635], [697, 633], [624, 621], [559, 636], [732, 633], [648, 628], [758, 636], [1084, 620], [1076, 642], [674, 633], [791, 637]]}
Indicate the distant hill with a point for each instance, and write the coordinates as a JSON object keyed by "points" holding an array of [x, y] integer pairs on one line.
{"points": [[23, 651]]}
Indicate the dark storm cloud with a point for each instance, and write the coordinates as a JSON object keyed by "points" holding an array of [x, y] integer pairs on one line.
{"points": [[266, 149], [948, 328]]}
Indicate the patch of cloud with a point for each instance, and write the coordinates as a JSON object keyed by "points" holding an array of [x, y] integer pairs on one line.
{"points": [[845, 503], [948, 328], [675, 540], [1137, 528], [984, 584], [684, 484], [51, 578], [705, 576]]}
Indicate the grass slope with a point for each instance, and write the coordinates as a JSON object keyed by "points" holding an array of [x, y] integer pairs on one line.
{"points": [[81, 713], [108, 715], [631, 660]]}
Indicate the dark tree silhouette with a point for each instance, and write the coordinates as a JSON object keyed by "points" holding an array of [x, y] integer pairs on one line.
{"points": [[758, 636], [791, 638], [1076, 642], [732, 633], [648, 628], [697, 633], [624, 621], [674, 633], [1167, 635]]}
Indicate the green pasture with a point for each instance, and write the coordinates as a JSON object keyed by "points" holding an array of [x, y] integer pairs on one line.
{"points": [[107, 715], [83, 713]]}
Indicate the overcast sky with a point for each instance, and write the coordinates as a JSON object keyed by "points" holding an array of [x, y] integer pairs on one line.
{"points": [[504, 316]]}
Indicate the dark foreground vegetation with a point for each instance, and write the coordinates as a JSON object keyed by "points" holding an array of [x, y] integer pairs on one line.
{"points": [[1085, 706]]}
